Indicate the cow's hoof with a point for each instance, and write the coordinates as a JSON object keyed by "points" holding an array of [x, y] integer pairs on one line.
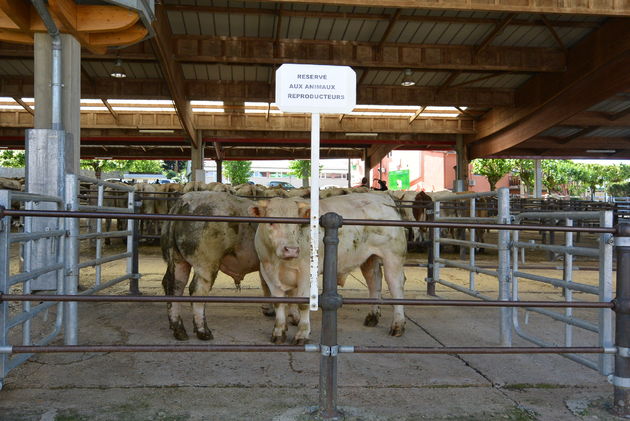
{"points": [[204, 335], [371, 320], [179, 331], [397, 330], [299, 341], [268, 310], [279, 339]]}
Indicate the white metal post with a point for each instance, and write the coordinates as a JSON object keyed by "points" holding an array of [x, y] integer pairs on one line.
{"points": [[314, 211], [504, 266]]}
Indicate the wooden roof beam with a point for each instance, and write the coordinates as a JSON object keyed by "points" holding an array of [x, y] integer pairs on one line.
{"points": [[596, 118], [597, 70], [172, 71], [499, 27], [371, 16], [204, 49], [24, 105], [604, 8], [129, 88]]}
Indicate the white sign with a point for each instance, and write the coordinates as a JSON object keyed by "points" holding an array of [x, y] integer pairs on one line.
{"points": [[309, 88]]}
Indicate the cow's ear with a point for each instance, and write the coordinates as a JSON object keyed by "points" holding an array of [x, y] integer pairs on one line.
{"points": [[304, 210], [258, 210]]}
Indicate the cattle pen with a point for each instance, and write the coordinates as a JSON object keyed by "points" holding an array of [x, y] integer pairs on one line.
{"points": [[66, 230]]}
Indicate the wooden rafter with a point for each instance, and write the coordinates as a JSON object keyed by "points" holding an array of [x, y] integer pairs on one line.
{"points": [[110, 109], [17, 12], [500, 27], [581, 133], [597, 70], [263, 91], [366, 55], [371, 16], [95, 26], [605, 8], [172, 71], [416, 114], [620, 114], [24, 105], [594, 118], [249, 123], [554, 34]]}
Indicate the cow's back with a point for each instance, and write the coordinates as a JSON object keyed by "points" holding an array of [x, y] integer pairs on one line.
{"points": [[198, 241]]}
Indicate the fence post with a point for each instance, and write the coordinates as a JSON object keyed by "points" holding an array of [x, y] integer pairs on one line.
{"points": [[330, 302], [134, 288], [430, 279], [621, 378], [503, 196], [71, 311]]}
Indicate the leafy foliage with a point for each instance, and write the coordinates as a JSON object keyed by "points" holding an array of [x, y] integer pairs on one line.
{"points": [[493, 169], [237, 171], [301, 169], [12, 159]]}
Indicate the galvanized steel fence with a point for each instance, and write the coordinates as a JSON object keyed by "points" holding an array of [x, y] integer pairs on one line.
{"points": [[331, 301]]}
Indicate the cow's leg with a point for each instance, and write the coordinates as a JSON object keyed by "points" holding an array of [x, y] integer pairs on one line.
{"points": [[395, 278], [371, 270], [267, 309], [200, 286], [174, 282], [279, 333], [304, 325]]}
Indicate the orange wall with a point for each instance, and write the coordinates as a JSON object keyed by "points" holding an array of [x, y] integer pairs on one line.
{"points": [[437, 172]]}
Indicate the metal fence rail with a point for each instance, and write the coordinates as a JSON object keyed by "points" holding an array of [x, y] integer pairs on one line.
{"points": [[27, 243], [330, 302], [603, 289]]}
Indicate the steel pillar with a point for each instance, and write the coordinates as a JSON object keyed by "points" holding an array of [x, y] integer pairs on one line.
{"points": [[621, 377], [330, 302]]}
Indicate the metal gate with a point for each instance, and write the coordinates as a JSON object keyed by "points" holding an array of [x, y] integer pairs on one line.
{"points": [[36, 324], [452, 203], [603, 291]]}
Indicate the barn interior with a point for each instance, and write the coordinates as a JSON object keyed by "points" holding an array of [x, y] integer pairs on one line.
{"points": [[533, 80], [195, 80]]}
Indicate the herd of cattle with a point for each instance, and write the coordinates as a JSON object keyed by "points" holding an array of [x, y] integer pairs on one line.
{"points": [[279, 252]]}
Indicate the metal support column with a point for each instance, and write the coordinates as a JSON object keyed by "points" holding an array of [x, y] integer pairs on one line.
{"points": [[330, 302], [503, 269], [430, 280], [538, 179], [621, 378], [134, 288], [71, 317]]}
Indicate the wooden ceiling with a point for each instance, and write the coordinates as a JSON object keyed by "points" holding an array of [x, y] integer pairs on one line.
{"points": [[531, 78]]}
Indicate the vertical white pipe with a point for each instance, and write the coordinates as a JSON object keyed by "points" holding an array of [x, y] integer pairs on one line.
{"points": [[314, 268], [538, 179]]}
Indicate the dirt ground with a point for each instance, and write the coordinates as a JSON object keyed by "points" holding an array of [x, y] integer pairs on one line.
{"points": [[284, 386]]}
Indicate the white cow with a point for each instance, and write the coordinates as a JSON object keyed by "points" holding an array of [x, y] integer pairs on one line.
{"points": [[206, 247], [283, 250]]}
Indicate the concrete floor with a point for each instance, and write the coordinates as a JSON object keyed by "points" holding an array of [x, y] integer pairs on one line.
{"points": [[281, 386]]}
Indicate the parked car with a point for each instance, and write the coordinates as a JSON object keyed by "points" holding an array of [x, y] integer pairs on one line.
{"points": [[283, 184]]}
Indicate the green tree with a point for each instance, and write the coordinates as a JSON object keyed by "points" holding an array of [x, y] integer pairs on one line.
{"points": [[492, 169], [555, 175], [146, 167], [237, 171], [12, 159], [301, 169], [524, 169], [105, 165]]}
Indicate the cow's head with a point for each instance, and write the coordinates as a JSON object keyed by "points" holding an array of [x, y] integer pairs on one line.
{"points": [[283, 239]]}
